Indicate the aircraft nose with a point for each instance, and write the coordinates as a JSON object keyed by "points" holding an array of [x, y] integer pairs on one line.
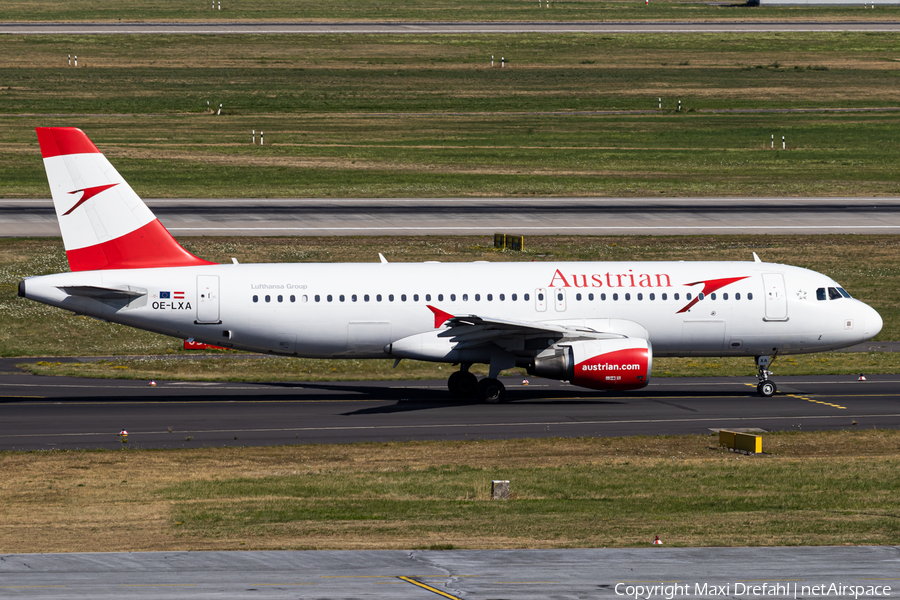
{"points": [[873, 322]]}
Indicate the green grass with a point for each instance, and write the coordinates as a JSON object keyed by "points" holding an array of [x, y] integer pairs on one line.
{"points": [[824, 488], [614, 501], [574, 506], [400, 116], [416, 10]]}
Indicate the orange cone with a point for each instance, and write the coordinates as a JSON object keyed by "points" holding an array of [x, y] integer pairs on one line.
{"points": [[656, 542], [861, 377], [152, 383]]}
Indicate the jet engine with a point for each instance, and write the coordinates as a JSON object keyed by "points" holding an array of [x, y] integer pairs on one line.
{"points": [[615, 364]]}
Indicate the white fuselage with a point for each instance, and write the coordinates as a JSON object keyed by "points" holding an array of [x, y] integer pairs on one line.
{"points": [[358, 310]]}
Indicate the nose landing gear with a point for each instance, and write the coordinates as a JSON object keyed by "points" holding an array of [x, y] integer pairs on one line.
{"points": [[766, 388]]}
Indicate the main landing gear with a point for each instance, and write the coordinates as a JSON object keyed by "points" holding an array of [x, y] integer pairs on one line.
{"points": [[462, 384], [766, 388]]}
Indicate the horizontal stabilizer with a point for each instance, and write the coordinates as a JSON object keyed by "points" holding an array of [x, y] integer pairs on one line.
{"points": [[101, 293]]}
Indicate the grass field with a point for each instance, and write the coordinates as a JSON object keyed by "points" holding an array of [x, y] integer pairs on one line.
{"points": [[417, 10], [400, 116], [827, 488]]}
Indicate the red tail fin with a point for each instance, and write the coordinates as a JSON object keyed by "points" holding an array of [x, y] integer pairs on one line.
{"points": [[104, 224]]}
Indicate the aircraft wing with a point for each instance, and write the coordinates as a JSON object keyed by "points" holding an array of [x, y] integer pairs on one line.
{"points": [[472, 330]]}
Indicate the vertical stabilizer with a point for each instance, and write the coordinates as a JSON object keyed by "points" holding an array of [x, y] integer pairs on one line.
{"points": [[104, 224]]}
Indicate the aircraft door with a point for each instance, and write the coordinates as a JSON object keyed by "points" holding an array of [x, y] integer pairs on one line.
{"points": [[775, 297], [559, 300], [540, 299], [208, 299]]}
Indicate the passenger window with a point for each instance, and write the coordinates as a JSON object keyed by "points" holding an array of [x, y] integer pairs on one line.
{"points": [[328, 297], [724, 296], [687, 296], [318, 298], [526, 297], [268, 298], [453, 297], [675, 296], [440, 297], [427, 297], [615, 296], [465, 298], [559, 296], [378, 297], [353, 297], [628, 296], [415, 297], [403, 297], [749, 295], [304, 298], [502, 297], [712, 296], [514, 298], [477, 297], [653, 296], [603, 297], [255, 298], [640, 296], [366, 297], [578, 296], [540, 297], [664, 297], [590, 296], [390, 297], [280, 298], [490, 297], [700, 295], [293, 298], [737, 296], [833, 294], [342, 297]]}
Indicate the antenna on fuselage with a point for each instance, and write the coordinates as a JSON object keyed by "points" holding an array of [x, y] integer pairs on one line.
{"points": [[383, 259], [756, 258]]}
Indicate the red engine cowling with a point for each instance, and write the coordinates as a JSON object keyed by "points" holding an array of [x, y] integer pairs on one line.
{"points": [[619, 364]]}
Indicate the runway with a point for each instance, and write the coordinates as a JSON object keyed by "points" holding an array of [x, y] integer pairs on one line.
{"points": [[70, 413], [480, 216], [700, 573], [446, 28]]}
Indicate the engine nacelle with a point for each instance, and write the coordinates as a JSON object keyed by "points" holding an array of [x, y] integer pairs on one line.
{"points": [[618, 364]]}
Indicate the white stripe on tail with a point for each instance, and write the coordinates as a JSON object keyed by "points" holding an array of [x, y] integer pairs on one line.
{"points": [[104, 223]]}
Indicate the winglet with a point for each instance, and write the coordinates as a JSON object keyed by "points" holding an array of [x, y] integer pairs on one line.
{"points": [[440, 317]]}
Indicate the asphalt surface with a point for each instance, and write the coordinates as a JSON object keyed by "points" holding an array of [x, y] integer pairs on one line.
{"points": [[700, 573], [447, 28], [460, 216], [67, 413]]}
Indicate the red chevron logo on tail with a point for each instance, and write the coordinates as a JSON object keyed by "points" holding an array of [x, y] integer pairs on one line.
{"points": [[88, 194]]}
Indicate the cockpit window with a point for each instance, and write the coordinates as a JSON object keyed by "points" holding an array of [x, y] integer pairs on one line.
{"points": [[820, 294], [833, 294], [844, 293]]}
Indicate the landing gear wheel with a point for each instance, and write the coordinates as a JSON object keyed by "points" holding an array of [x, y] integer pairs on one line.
{"points": [[490, 391], [462, 383], [766, 389]]}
